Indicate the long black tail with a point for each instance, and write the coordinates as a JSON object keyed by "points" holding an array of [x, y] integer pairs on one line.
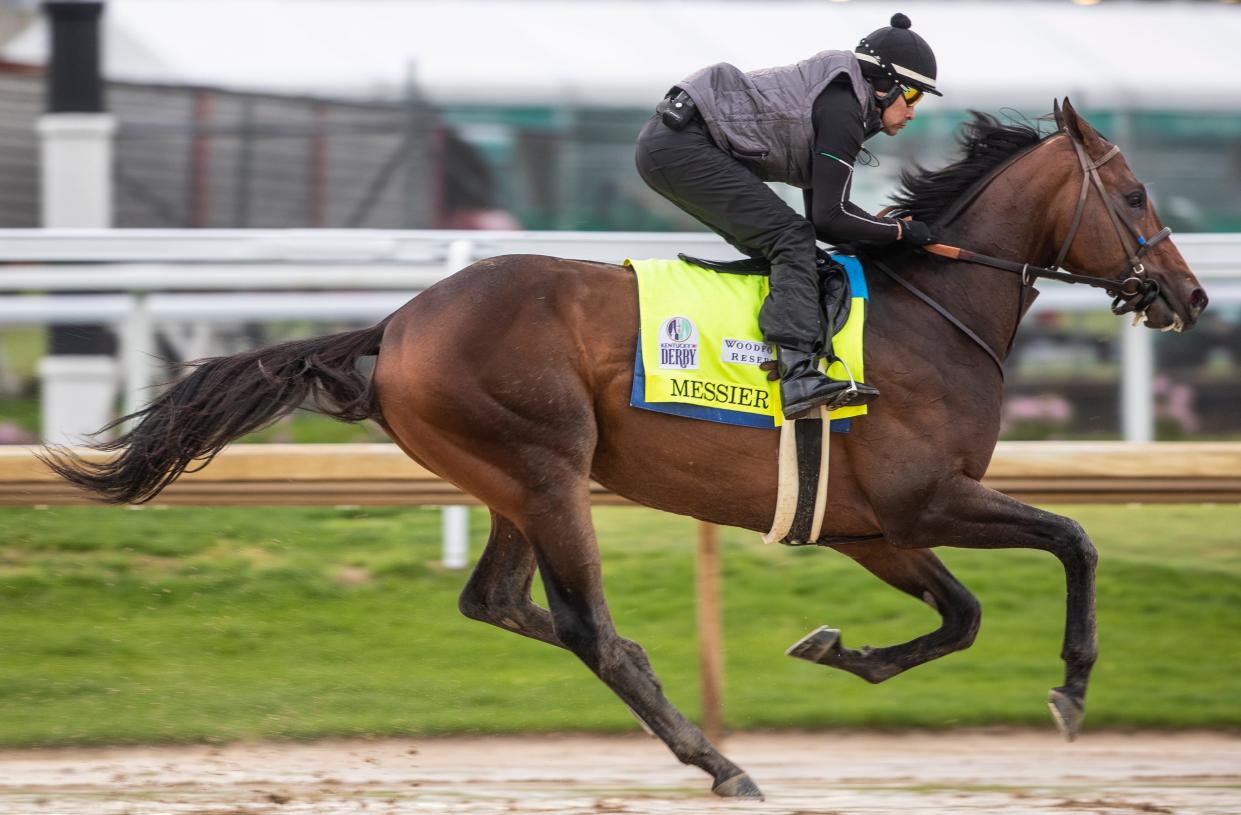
{"points": [[222, 399]]}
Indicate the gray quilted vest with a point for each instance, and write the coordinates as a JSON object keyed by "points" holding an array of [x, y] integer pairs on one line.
{"points": [[763, 118]]}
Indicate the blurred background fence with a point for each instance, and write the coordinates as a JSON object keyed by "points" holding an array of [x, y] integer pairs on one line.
{"points": [[1076, 372], [521, 114]]}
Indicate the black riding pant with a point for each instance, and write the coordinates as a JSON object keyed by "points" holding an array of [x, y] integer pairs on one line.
{"points": [[688, 169]]}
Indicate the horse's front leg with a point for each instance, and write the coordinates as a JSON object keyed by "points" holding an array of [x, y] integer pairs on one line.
{"points": [[965, 514], [914, 571]]}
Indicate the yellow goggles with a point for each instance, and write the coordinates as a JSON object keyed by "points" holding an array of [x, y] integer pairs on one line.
{"points": [[912, 95]]}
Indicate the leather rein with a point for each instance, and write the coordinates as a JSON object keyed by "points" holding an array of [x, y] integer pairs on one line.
{"points": [[1132, 294]]}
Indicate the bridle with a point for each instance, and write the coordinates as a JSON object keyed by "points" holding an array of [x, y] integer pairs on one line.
{"points": [[1134, 293]]}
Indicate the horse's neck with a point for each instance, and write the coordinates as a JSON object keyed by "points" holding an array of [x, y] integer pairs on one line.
{"points": [[1012, 219]]}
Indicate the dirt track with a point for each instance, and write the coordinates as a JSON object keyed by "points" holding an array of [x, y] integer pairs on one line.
{"points": [[1025, 772]]}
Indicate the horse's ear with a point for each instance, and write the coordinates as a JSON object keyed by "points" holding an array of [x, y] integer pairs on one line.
{"points": [[1069, 114], [1055, 111], [1076, 124]]}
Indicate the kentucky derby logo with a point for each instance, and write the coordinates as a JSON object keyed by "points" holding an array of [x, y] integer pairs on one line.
{"points": [[678, 329], [678, 344]]}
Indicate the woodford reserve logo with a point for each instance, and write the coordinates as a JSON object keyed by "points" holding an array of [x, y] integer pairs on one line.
{"points": [[745, 352], [678, 344]]}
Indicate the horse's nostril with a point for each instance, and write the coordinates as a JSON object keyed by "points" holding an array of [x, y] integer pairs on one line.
{"points": [[1198, 300]]}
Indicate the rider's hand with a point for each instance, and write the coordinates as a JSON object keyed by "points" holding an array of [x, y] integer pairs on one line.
{"points": [[772, 370], [915, 233]]}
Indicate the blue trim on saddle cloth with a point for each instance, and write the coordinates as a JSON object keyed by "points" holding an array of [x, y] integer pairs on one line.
{"points": [[637, 394], [857, 278]]}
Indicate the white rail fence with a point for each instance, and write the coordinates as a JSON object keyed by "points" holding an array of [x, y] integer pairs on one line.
{"points": [[141, 278], [287, 274]]}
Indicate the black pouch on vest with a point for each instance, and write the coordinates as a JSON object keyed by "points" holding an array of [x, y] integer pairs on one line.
{"points": [[677, 109]]}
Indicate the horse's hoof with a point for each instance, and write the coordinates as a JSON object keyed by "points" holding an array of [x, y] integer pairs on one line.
{"points": [[1067, 711], [739, 786], [816, 645]]}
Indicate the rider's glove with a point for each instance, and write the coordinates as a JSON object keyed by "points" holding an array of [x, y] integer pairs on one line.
{"points": [[915, 233]]}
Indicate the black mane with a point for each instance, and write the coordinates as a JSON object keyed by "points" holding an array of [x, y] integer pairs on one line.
{"points": [[985, 144]]}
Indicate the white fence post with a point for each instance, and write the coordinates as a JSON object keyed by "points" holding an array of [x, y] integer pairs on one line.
{"points": [[75, 176], [77, 396], [75, 165], [137, 341], [457, 518], [1137, 376], [97, 263], [456, 537]]}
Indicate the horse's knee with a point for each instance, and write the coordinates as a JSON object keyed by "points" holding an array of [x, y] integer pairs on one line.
{"points": [[1086, 550], [1076, 548]]}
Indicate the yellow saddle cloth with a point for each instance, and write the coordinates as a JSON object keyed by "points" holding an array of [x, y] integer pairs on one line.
{"points": [[700, 346]]}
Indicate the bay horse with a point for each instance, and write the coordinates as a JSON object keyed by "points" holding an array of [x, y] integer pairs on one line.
{"points": [[511, 379]]}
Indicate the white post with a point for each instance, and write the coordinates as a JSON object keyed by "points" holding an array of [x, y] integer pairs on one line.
{"points": [[75, 161], [457, 518], [77, 396], [1137, 391], [456, 537], [137, 348], [75, 155]]}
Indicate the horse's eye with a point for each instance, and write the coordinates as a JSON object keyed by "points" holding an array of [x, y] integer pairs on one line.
{"points": [[1136, 199]]}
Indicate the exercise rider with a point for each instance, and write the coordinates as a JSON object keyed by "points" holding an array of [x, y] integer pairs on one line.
{"points": [[721, 133]]}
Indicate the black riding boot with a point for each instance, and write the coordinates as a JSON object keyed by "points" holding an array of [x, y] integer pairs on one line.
{"points": [[804, 386]]}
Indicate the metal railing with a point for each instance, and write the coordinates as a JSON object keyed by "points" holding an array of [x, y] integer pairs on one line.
{"points": [[143, 269]]}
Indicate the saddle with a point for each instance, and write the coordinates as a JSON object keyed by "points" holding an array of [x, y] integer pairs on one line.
{"points": [[835, 295]]}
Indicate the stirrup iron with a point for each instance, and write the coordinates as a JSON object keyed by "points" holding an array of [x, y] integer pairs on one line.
{"points": [[846, 395]]}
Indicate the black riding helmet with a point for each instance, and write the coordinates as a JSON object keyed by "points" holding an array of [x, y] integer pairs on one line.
{"points": [[895, 54]]}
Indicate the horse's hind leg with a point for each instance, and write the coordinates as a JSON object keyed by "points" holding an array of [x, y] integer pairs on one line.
{"points": [[557, 524], [498, 591], [917, 572]]}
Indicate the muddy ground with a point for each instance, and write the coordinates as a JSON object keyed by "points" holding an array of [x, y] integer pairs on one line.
{"points": [[1004, 772]]}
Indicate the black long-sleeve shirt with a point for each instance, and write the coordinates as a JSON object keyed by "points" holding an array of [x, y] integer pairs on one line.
{"points": [[839, 132]]}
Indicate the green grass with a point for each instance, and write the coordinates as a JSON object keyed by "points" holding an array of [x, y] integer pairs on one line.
{"points": [[21, 348], [217, 624], [303, 427]]}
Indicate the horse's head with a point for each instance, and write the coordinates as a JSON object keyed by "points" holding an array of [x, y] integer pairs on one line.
{"points": [[1114, 232]]}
